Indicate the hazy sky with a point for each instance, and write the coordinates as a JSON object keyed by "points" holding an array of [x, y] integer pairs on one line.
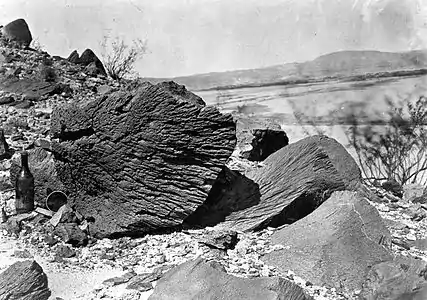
{"points": [[196, 36]]}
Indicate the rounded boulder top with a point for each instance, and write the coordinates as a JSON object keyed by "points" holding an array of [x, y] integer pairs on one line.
{"points": [[17, 31]]}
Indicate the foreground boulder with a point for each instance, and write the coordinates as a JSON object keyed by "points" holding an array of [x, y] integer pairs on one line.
{"points": [[258, 138], [293, 182], [17, 31], [199, 279], [335, 245], [140, 159], [24, 280], [42, 166], [400, 278]]}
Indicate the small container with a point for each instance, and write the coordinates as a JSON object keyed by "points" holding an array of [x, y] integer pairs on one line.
{"points": [[24, 187]]}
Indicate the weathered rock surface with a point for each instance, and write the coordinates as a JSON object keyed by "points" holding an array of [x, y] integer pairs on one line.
{"points": [[334, 245], [30, 88], [71, 233], [17, 31], [141, 159], [199, 279], [412, 191], [42, 166], [88, 59], [74, 57], [395, 279], [257, 139], [219, 239], [5, 151], [24, 280], [293, 182]]}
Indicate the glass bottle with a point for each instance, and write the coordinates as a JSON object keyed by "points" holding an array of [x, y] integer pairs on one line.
{"points": [[24, 187]]}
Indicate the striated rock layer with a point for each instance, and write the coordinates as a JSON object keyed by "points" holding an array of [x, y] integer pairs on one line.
{"points": [[141, 159]]}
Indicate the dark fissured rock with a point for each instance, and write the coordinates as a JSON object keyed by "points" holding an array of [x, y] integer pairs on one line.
{"points": [[293, 182], [17, 31], [74, 57], [198, 278], [24, 280], [231, 192], [31, 89], [335, 245], [71, 233], [219, 239], [140, 159], [394, 279], [88, 58], [179, 91], [258, 138], [42, 166]]}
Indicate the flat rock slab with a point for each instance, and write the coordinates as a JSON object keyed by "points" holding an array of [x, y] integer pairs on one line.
{"points": [[32, 88], [293, 181], [400, 278], [24, 280], [334, 245], [141, 159], [198, 279]]}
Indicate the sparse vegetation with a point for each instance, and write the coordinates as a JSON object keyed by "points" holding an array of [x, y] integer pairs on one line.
{"points": [[119, 58], [395, 151]]}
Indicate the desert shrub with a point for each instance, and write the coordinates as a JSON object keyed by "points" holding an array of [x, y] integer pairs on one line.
{"points": [[119, 57], [36, 45], [396, 150]]}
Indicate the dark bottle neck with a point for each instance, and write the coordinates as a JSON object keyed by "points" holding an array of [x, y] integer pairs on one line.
{"points": [[24, 162]]}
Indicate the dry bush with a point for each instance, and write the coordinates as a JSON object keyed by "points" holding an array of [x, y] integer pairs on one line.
{"points": [[119, 57], [395, 150]]}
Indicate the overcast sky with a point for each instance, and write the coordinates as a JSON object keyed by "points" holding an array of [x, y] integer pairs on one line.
{"points": [[196, 36]]}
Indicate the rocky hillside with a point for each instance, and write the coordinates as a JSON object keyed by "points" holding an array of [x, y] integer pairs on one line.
{"points": [[178, 201], [337, 65]]}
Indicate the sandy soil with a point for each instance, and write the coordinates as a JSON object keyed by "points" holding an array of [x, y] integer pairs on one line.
{"points": [[66, 283]]}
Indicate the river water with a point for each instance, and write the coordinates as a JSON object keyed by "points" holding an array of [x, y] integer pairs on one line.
{"points": [[321, 104]]}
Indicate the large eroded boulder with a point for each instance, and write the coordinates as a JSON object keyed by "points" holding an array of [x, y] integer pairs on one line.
{"points": [[17, 31], [141, 159], [336, 244], [293, 182], [198, 279], [24, 280]]}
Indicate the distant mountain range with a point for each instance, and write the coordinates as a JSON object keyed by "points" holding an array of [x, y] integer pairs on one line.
{"points": [[351, 65]]}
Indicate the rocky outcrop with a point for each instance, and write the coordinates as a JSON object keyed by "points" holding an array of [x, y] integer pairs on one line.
{"points": [[400, 278], [335, 245], [17, 31], [24, 280], [258, 138], [199, 279], [42, 166], [74, 57], [32, 89], [88, 59], [140, 159], [291, 184]]}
